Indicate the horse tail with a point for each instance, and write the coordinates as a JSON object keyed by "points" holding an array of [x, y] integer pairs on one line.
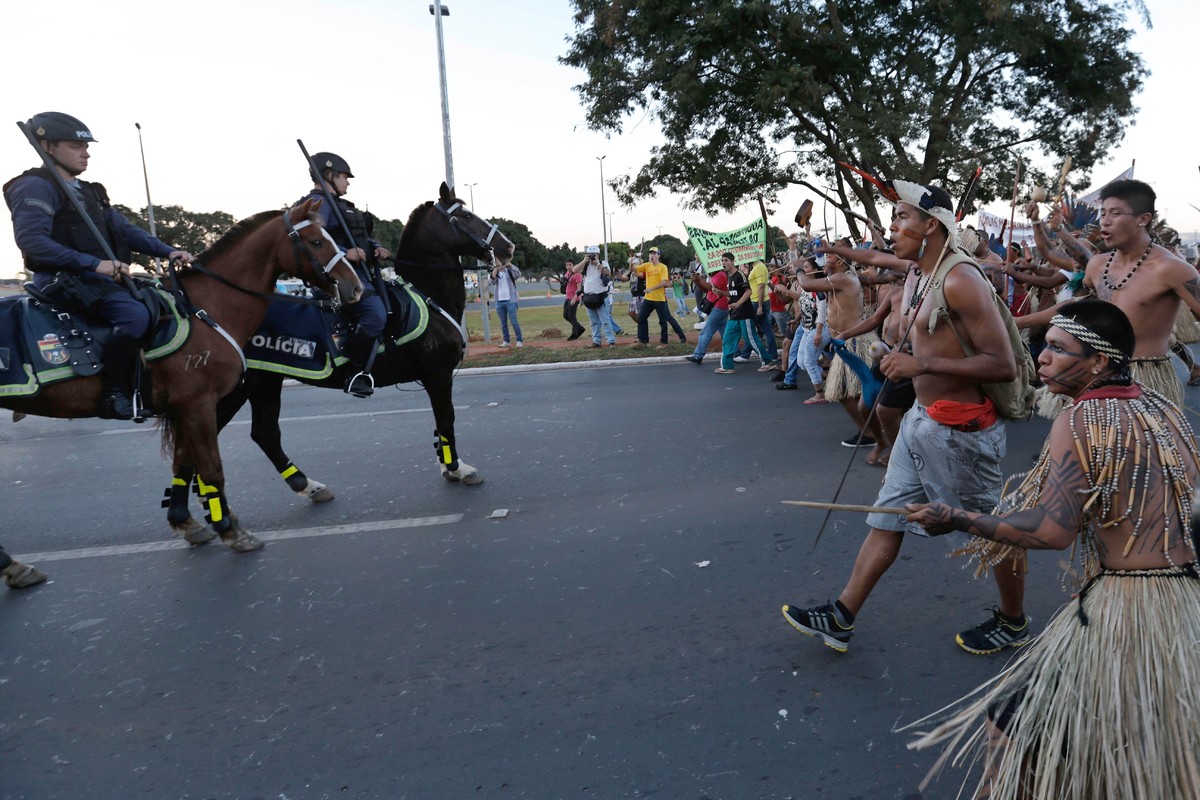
{"points": [[166, 426]]}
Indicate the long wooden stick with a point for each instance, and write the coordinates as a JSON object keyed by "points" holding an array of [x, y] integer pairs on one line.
{"points": [[846, 507]]}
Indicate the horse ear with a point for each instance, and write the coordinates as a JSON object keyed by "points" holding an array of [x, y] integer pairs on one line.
{"points": [[447, 193], [309, 206]]}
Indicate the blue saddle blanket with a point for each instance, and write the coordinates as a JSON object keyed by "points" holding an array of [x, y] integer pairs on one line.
{"points": [[42, 343], [306, 341]]}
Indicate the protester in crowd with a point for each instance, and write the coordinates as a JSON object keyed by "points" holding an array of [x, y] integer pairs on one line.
{"points": [[812, 316], [741, 318], [1103, 703], [678, 292], [656, 280], [717, 295], [952, 440]]}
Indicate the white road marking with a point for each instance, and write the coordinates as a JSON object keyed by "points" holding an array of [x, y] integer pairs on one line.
{"points": [[269, 536], [315, 417]]}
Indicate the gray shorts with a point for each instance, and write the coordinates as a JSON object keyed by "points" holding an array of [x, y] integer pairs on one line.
{"points": [[933, 463]]}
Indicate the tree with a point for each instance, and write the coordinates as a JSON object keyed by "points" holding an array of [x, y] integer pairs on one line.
{"points": [[185, 230], [754, 95], [531, 255], [387, 232]]}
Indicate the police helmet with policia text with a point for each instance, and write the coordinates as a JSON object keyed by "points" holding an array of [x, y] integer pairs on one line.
{"points": [[331, 161], [55, 126]]}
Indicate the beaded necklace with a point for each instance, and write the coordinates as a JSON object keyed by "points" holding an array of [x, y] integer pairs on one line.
{"points": [[1122, 446], [1124, 280]]}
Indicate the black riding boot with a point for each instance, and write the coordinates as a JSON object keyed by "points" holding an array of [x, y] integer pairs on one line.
{"points": [[120, 355], [359, 382]]}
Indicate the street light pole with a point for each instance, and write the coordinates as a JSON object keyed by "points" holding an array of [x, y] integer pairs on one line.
{"points": [[481, 282], [603, 214], [438, 10], [471, 189], [611, 238]]}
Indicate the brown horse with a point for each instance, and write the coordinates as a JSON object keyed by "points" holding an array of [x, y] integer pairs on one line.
{"points": [[231, 287]]}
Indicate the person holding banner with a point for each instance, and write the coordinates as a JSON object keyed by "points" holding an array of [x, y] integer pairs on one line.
{"points": [[64, 254], [657, 280], [717, 288]]}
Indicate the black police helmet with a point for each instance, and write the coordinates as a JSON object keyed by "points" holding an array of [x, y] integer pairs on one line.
{"points": [[331, 161], [55, 126]]}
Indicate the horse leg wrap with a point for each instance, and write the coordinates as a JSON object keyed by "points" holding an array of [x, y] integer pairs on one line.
{"points": [[175, 500], [297, 481], [214, 502], [445, 452]]}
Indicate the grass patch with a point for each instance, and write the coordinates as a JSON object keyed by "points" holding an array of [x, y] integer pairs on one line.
{"points": [[531, 354]]}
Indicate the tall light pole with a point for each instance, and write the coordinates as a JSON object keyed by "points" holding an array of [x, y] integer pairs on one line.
{"points": [[438, 10], [611, 238], [471, 189], [603, 214]]}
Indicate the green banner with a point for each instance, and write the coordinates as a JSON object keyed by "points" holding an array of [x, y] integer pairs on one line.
{"points": [[748, 244]]}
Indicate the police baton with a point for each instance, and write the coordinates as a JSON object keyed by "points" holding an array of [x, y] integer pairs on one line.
{"points": [[376, 280], [149, 205], [75, 201]]}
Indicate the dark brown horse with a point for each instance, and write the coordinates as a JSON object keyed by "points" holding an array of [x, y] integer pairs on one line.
{"points": [[436, 235], [232, 287]]}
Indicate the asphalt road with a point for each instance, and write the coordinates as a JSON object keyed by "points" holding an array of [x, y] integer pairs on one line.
{"points": [[616, 635]]}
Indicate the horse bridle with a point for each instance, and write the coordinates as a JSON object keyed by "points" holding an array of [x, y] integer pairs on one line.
{"points": [[320, 273], [484, 243]]}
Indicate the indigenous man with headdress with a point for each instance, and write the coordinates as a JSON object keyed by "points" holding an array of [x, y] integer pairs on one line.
{"points": [[1104, 703], [952, 440]]}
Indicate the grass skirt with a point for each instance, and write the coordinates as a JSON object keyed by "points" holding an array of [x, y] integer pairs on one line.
{"points": [[1159, 374], [841, 383], [1110, 708], [1187, 329]]}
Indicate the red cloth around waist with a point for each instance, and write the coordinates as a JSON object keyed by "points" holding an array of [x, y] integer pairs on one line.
{"points": [[964, 416]]}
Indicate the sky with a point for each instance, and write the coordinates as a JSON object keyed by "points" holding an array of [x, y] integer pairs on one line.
{"points": [[223, 89]]}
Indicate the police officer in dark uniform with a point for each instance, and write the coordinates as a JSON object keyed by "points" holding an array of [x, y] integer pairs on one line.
{"points": [[368, 314], [57, 245]]}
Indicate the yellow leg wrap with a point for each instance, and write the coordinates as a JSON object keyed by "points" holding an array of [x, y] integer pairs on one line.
{"points": [[289, 472], [212, 498]]}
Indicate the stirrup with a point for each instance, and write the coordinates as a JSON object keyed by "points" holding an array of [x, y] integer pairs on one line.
{"points": [[139, 408], [360, 393]]}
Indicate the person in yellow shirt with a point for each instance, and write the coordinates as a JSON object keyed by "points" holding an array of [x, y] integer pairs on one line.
{"points": [[658, 280]]}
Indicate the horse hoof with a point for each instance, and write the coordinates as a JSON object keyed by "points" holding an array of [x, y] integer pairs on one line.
{"points": [[465, 474], [239, 539], [193, 532], [317, 492], [242, 541]]}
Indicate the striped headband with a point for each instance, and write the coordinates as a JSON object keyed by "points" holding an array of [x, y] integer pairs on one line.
{"points": [[1088, 337]]}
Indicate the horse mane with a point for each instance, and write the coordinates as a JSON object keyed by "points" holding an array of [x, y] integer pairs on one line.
{"points": [[231, 237], [410, 227]]}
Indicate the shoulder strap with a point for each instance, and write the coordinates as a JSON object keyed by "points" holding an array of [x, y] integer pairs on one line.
{"points": [[937, 291]]}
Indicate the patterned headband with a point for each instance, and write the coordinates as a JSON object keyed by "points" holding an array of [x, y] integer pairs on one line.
{"points": [[1088, 337]]}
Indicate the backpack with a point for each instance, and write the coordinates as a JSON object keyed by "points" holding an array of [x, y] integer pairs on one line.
{"points": [[1013, 399]]}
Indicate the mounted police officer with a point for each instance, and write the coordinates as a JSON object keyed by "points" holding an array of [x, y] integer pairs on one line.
{"points": [[59, 248], [368, 314]]}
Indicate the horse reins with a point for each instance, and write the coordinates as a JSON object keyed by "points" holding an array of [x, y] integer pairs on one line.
{"points": [[180, 292]]}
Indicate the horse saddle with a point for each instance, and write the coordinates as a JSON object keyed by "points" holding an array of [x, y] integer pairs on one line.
{"points": [[306, 341], [42, 341]]}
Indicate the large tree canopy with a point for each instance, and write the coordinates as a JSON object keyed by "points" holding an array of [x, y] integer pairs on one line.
{"points": [[753, 95]]}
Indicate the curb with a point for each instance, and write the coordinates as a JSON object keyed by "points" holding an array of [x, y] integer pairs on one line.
{"points": [[552, 365]]}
